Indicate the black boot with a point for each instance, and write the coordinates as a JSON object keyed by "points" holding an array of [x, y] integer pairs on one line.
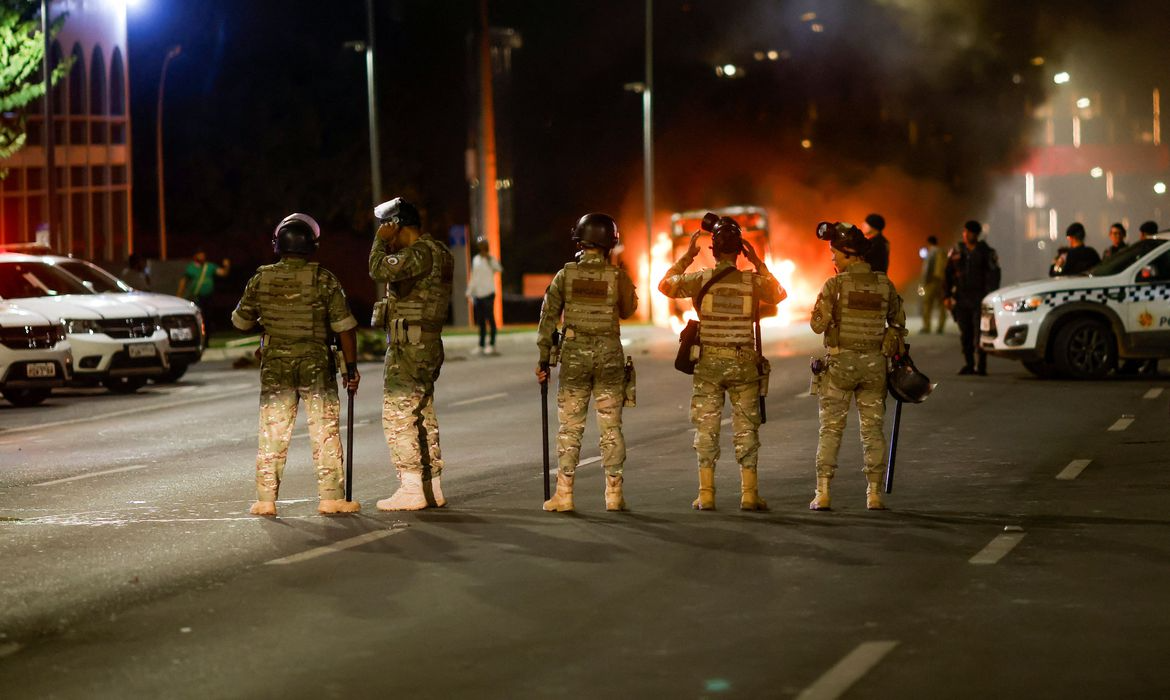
{"points": [[981, 367]]}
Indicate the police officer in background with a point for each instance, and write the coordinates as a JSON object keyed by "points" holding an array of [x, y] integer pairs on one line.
{"points": [[591, 295], [299, 304], [1077, 257], [860, 313], [417, 271], [728, 361], [878, 256], [972, 272]]}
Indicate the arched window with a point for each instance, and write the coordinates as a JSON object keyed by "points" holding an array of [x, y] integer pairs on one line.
{"points": [[117, 84], [77, 82], [97, 83], [57, 57]]}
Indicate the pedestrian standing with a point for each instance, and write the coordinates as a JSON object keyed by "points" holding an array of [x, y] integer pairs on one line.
{"points": [[299, 304], [934, 273], [861, 316], [1148, 229], [592, 296], [727, 301], [198, 285], [135, 273], [1077, 257], [481, 290], [878, 256], [418, 272], [1116, 239], [972, 273]]}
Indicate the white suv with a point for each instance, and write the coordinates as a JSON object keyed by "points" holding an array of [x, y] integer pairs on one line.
{"points": [[1080, 325], [34, 355]]}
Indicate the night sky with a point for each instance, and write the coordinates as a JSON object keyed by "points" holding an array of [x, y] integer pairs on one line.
{"points": [[266, 111]]}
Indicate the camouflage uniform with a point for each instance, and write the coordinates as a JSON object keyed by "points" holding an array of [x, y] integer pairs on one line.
{"points": [[298, 303], [728, 363], [418, 280], [861, 315], [593, 295]]}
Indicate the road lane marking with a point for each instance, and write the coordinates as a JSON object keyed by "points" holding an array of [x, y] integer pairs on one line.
{"points": [[1121, 424], [998, 548], [8, 649], [126, 412], [480, 399], [838, 679], [1153, 393], [591, 460], [1073, 470], [91, 475], [344, 428], [337, 546]]}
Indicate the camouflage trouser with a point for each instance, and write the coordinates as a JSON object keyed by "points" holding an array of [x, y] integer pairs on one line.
{"points": [[408, 407], [282, 382], [591, 365], [734, 373], [853, 375]]}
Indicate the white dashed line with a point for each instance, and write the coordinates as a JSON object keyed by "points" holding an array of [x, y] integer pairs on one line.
{"points": [[838, 679], [91, 475], [8, 649], [480, 399], [1153, 393], [344, 428], [126, 412], [998, 548], [1121, 424], [337, 546], [591, 460], [1073, 470]]}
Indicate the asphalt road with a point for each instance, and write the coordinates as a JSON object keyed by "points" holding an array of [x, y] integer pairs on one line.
{"points": [[1026, 552]]}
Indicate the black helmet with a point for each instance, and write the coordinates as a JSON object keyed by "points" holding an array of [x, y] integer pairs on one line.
{"points": [[844, 237], [296, 234], [726, 237], [397, 211], [596, 231], [906, 383]]}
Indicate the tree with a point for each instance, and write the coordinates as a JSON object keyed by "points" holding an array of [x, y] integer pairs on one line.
{"points": [[22, 49]]}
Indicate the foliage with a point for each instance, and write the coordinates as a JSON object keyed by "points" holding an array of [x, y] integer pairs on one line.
{"points": [[22, 49]]}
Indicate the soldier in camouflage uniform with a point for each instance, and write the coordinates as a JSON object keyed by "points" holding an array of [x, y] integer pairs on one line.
{"points": [[593, 295], [728, 362], [861, 316], [417, 271], [299, 304]]}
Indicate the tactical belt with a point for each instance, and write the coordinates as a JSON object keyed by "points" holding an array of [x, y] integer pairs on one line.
{"points": [[737, 351]]}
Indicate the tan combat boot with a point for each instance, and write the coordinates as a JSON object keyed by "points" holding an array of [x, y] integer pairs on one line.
{"points": [[562, 500], [749, 491], [706, 499], [409, 495], [433, 491], [821, 501], [331, 506], [613, 493], [873, 492], [263, 508]]}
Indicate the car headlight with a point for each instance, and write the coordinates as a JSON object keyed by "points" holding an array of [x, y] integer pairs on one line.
{"points": [[1022, 304], [80, 325]]}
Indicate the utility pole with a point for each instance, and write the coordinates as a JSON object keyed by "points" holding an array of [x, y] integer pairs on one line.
{"points": [[158, 149], [50, 133], [648, 150]]}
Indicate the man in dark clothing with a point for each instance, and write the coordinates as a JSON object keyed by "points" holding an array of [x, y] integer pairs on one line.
{"points": [[1078, 257], [1148, 229], [878, 256], [972, 272], [1117, 238]]}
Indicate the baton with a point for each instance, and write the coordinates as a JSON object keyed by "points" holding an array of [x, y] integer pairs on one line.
{"points": [[893, 446], [349, 439], [544, 426]]}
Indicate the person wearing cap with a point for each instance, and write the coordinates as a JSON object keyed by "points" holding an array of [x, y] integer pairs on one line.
{"points": [[418, 272], [861, 316], [878, 256], [591, 296], [727, 301], [299, 304], [972, 272], [1077, 257], [481, 290], [1116, 239]]}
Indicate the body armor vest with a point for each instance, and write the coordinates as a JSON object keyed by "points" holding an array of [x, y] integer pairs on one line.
{"points": [[425, 304], [291, 307], [862, 304], [591, 292], [726, 312]]}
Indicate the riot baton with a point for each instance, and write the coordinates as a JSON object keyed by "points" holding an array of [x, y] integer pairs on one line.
{"points": [[349, 373], [893, 446], [544, 426]]}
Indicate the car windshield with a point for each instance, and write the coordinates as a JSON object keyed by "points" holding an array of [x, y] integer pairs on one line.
{"points": [[1126, 257], [24, 280], [101, 280]]}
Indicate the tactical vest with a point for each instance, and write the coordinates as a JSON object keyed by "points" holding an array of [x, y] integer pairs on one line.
{"points": [[726, 313], [862, 304], [591, 292], [291, 307], [425, 304]]}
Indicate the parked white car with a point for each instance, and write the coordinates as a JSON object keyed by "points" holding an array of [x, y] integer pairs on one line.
{"points": [[1080, 325], [115, 342], [34, 355], [181, 319]]}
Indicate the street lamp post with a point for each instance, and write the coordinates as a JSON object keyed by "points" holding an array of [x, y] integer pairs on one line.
{"points": [[646, 89], [158, 136], [367, 47], [50, 131]]}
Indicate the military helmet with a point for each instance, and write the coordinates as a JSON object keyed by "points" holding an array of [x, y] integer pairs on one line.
{"points": [[296, 234], [596, 230], [726, 236], [397, 211], [906, 383], [844, 237]]}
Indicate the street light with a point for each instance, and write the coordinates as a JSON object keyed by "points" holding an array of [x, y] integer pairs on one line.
{"points": [[367, 47], [646, 90], [158, 136]]}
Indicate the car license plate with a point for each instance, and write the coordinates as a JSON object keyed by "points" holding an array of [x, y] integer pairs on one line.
{"points": [[985, 323], [40, 369], [141, 350], [182, 334]]}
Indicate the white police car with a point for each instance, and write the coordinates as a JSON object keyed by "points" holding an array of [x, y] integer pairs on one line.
{"points": [[34, 355], [1080, 325]]}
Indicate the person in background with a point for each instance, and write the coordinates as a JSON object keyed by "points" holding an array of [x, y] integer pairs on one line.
{"points": [[972, 272], [1148, 229], [878, 256], [1078, 257], [481, 290], [135, 273], [1117, 238], [934, 273], [198, 285]]}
